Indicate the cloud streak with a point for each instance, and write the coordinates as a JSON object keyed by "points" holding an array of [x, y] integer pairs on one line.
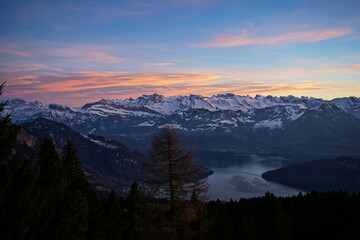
{"points": [[159, 64], [12, 52], [82, 54], [26, 67], [81, 87], [292, 37]]}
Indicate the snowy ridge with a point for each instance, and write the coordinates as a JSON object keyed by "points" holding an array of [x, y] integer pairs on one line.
{"points": [[24, 111], [193, 112], [170, 105]]}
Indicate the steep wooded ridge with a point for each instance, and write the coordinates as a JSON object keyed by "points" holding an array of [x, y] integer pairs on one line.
{"points": [[224, 122], [322, 175], [108, 164]]}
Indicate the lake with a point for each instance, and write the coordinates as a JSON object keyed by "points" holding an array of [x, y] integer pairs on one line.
{"points": [[239, 175]]}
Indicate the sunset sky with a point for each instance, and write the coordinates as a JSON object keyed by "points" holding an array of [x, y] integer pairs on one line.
{"points": [[73, 52]]}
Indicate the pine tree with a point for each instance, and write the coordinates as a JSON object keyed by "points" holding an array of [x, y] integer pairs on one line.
{"points": [[8, 132], [72, 166], [51, 188], [49, 163], [17, 209], [132, 209], [16, 182], [73, 217], [113, 221], [172, 174]]}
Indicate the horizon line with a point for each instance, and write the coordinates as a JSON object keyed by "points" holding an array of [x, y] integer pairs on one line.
{"points": [[2, 98]]}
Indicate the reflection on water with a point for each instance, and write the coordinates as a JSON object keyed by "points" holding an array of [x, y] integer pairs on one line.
{"points": [[239, 176]]}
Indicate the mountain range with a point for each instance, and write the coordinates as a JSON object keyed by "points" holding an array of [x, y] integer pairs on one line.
{"points": [[225, 122]]}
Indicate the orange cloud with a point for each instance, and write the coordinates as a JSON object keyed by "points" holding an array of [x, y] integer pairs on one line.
{"points": [[81, 87], [12, 52], [71, 88], [292, 37], [86, 81]]}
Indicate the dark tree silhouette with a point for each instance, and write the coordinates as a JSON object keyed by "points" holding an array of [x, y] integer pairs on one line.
{"points": [[133, 199], [51, 188], [8, 132], [113, 222], [172, 174], [71, 164], [16, 182], [49, 162]]}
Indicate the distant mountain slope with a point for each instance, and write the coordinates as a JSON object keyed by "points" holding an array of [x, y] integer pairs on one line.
{"points": [[109, 163], [322, 123], [322, 175], [351, 105], [327, 129], [223, 122]]}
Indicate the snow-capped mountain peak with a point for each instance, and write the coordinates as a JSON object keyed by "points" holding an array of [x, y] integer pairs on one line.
{"points": [[326, 106], [193, 112]]}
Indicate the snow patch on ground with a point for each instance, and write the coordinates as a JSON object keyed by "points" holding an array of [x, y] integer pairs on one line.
{"points": [[98, 142], [272, 124], [175, 126], [146, 124]]}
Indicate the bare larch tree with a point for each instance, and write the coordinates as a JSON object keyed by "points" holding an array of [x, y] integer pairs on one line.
{"points": [[172, 174]]}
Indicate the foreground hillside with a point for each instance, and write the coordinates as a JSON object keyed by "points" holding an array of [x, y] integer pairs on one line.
{"points": [[322, 175], [108, 164]]}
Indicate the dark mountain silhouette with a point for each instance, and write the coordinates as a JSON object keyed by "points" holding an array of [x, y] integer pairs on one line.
{"points": [[341, 173], [328, 129]]}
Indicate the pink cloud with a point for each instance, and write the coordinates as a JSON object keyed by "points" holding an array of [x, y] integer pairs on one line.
{"points": [[292, 37], [159, 64], [80, 87], [12, 52], [85, 54], [26, 67]]}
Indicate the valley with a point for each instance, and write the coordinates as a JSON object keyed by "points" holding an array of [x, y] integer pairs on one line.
{"points": [[224, 130]]}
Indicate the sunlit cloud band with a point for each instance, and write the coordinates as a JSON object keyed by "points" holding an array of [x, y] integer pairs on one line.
{"points": [[292, 37]]}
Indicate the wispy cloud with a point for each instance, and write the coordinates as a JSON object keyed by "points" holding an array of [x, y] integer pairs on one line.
{"points": [[193, 2], [12, 52], [159, 64], [26, 67], [293, 37], [65, 15], [83, 54], [65, 87], [36, 50]]}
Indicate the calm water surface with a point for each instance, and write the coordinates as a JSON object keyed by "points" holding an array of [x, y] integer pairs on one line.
{"points": [[239, 176]]}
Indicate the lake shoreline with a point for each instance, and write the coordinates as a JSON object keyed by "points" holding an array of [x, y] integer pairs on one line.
{"points": [[240, 175]]}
